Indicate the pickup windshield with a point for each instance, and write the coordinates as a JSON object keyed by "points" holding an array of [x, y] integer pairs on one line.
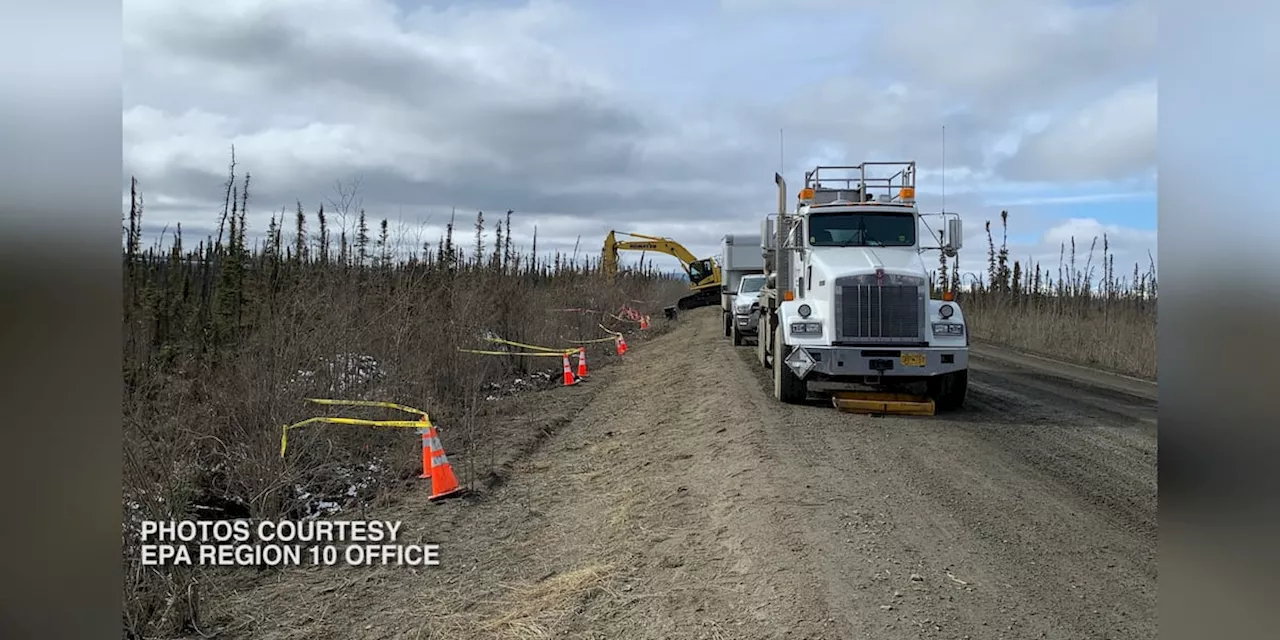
{"points": [[880, 229], [751, 285]]}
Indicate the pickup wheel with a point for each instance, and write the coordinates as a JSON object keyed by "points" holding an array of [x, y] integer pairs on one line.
{"points": [[948, 391], [787, 387], [728, 324], [737, 336]]}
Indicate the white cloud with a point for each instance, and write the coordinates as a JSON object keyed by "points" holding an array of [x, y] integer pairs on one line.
{"points": [[1086, 229], [587, 116], [1115, 137]]}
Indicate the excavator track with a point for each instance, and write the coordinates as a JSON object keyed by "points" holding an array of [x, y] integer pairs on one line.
{"points": [[704, 298]]}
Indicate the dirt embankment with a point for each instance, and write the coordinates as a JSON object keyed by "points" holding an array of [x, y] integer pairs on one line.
{"points": [[673, 498]]}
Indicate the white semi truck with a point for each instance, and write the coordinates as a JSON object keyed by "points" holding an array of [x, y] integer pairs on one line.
{"points": [[740, 255], [846, 307]]}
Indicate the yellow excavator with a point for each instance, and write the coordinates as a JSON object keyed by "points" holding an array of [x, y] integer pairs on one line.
{"points": [[704, 274]]}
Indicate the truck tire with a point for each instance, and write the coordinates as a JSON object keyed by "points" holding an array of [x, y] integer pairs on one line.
{"points": [[948, 391], [787, 387], [762, 345], [737, 336], [728, 324]]}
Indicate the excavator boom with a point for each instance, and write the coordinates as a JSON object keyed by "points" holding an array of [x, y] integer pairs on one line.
{"points": [[704, 274]]}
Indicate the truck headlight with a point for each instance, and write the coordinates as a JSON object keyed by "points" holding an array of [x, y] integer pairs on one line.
{"points": [[743, 308], [948, 329], [806, 328], [946, 311], [805, 311]]}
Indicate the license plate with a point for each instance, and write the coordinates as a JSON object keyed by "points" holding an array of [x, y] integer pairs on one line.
{"points": [[913, 360]]}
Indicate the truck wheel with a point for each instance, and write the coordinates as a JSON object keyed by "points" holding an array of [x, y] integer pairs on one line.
{"points": [[762, 345], [728, 324], [737, 337], [787, 387], [948, 391]]}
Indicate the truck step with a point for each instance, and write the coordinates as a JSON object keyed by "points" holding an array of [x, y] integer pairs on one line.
{"points": [[882, 403]]}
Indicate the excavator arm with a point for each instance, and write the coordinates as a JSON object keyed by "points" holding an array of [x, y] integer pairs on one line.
{"points": [[704, 274]]}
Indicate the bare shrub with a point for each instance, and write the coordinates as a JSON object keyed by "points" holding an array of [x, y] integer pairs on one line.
{"points": [[1090, 314], [223, 342]]}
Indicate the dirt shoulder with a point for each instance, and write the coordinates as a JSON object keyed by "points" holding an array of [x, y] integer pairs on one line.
{"points": [[673, 498], [999, 355]]}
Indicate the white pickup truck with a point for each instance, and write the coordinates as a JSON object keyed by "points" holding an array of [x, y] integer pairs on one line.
{"points": [[746, 308]]}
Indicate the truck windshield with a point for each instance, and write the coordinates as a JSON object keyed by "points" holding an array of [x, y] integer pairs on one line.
{"points": [[751, 285], [880, 229]]}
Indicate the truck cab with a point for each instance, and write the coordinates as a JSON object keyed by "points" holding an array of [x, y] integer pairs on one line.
{"points": [[746, 307], [848, 302], [740, 256]]}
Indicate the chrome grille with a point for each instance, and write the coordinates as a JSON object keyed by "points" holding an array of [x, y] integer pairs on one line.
{"points": [[871, 312]]}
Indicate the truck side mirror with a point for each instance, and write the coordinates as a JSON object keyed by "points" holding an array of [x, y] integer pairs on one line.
{"points": [[955, 237]]}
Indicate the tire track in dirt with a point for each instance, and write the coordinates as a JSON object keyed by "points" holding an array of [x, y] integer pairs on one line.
{"points": [[696, 532], [1045, 507], [682, 501]]}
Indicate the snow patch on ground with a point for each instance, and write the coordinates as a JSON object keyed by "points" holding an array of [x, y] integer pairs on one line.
{"points": [[342, 373], [532, 381], [358, 480]]}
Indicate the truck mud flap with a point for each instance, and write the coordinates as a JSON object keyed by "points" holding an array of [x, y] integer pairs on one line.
{"points": [[882, 403]]}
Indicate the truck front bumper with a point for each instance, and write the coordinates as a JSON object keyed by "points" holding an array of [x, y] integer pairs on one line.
{"points": [[747, 323], [912, 362]]}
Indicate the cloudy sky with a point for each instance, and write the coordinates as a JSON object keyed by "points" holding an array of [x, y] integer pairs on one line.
{"points": [[590, 115]]}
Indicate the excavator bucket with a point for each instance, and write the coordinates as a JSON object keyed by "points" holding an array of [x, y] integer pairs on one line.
{"points": [[882, 403]]}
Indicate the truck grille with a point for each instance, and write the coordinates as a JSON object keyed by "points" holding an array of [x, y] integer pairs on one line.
{"points": [[889, 312]]}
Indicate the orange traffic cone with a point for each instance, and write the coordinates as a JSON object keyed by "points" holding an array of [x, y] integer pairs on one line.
{"points": [[582, 362], [622, 344], [426, 447], [644, 322], [435, 464], [617, 343], [569, 380]]}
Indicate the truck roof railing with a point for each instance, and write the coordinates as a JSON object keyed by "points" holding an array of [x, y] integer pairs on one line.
{"points": [[864, 182]]}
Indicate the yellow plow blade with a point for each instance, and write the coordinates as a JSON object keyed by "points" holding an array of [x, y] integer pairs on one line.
{"points": [[875, 402]]}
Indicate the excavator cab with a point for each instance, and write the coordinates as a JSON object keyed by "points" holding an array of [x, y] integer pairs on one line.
{"points": [[704, 279], [701, 270]]}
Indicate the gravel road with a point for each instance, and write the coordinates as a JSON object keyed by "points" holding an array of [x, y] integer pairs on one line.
{"points": [[679, 500]]}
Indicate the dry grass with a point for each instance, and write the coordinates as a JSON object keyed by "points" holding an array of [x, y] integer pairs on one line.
{"points": [[539, 610], [1090, 314], [219, 339]]}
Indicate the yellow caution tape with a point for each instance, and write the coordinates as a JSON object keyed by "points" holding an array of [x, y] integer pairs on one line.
{"points": [[609, 339], [425, 423], [367, 403], [611, 331], [554, 354], [406, 424], [622, 319], [547, 352], [529, 346]]}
